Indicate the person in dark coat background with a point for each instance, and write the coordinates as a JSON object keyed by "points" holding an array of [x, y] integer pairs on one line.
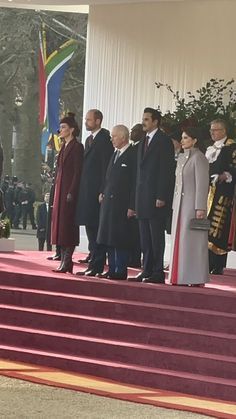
{"points": [[154, 192], [117, 204], [136, 135], [98, 151], [42, 222], [69, 165]]}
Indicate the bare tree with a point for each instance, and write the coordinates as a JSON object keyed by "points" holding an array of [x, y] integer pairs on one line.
{"points": [[19, 96]]}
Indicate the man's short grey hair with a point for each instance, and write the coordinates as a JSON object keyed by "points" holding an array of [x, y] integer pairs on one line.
{"points": [[220, 121], [123, 130]]}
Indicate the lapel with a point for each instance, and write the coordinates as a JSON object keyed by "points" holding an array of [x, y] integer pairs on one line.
{"points": [[120, 159], [67, 149], [89, 149], [150, 147], [184, 159]]}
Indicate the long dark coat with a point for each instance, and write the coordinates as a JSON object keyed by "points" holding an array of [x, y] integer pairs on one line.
{"points": [[119, 196], [69, 166], [155, 175], [96, 159]]}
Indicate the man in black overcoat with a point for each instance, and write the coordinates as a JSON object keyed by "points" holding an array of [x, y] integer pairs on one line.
{"points": [[117, 204], [154, 192], [98, 151]]}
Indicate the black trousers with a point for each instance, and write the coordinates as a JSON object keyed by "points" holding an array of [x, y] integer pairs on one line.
{"points": [[217, 262], [41, 243], [135, 248], [152, 236], [97, 251], [118, 261], [17, 215], [28, 210]]}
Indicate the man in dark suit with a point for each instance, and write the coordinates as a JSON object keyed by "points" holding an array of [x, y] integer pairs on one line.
{"points": [[154, 190], [98, 151], [42, 218], [117, 204]]}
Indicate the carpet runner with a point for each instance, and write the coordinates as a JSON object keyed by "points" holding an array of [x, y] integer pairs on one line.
{"points": [[179, 339], [108, 388]]}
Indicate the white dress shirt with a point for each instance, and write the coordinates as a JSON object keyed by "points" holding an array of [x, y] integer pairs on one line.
{"points": [[214, 150]]}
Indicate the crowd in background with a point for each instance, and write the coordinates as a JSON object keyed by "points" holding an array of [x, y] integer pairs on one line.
{"points": [[19, 199]]}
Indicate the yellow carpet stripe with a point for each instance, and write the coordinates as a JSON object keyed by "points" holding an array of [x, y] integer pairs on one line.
{"points": [[8, 365], [139, 394], [80, 381], [221, 407]]}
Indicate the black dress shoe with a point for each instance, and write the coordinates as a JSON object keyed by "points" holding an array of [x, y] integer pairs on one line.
{"points": [[55, 257], [217, 271], [138, 278], [91, 272], [85, 260], [81, 273], [88, 272], [155, 279], [64, 268], [104, 275]]}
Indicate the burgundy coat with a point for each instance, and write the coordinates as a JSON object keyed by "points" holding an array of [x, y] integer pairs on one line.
{"points": [[69, 165]]}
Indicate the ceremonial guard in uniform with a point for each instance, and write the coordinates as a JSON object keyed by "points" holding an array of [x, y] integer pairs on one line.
{"points": [[222, 160]]}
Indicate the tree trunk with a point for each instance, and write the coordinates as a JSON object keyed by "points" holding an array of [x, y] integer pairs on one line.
{"points": [[27, 156], [6, 125]]}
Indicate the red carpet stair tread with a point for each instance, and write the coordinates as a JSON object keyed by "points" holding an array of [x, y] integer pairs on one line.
{"points": [[180, 339]]}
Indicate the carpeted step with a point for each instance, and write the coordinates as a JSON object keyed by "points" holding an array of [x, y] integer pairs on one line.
{"points": [[135, 332], [121, 309], [119, 351], [200, 385], [191, 297]]}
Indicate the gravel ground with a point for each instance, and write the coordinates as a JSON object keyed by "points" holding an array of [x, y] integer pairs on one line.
{"points": [[23, 400]]}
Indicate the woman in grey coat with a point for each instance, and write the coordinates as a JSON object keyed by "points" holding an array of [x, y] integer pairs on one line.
{"points": [[189, 250]]}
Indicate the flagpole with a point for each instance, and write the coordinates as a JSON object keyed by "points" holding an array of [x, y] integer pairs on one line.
{"points": [[44, 42]]}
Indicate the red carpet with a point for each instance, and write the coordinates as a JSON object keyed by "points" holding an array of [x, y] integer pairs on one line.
{"points": [[174, 338]]}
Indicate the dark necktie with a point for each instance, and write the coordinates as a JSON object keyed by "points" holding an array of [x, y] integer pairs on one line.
{"points": [[117, 156], [146, 144], [90, 140]]}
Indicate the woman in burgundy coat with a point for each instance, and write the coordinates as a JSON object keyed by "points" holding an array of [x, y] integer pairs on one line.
{"points": [[69, 165]]}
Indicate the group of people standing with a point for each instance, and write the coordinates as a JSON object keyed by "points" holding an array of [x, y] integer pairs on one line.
{"points": [[19, 199], [109, 186]]}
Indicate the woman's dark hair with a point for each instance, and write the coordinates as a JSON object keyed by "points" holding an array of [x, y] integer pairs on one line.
{"points": [[196, 132], [192, 132], [69, 119]]}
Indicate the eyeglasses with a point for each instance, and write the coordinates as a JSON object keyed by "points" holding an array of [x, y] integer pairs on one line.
{"points": [[216, 129]]}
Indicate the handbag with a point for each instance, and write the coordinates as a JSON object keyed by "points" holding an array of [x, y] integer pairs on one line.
{"points": [[200, 224]]}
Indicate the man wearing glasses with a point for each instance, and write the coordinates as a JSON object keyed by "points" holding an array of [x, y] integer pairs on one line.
{"points": [[222, 161]]}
